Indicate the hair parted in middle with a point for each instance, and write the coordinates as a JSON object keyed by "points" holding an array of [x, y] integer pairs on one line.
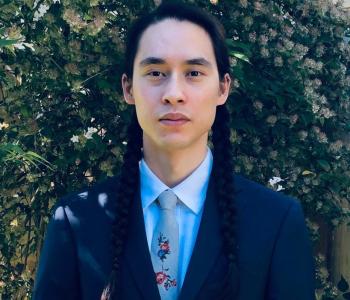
{"points": [[223, 164]]}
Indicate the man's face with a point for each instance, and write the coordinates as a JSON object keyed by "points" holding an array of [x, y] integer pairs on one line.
{"points": [[175, 72]]}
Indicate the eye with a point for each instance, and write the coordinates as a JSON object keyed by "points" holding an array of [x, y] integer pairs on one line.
{"points": [[194, 73], [155, 74]]}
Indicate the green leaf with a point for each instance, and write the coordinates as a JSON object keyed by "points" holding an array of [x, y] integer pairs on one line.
{"points": [[322, 121], [7, 42], [103, 84], [233, 45], [342, 285], [280, 101], [307, 172], [240, 56], [324, 165], [13, 153]]}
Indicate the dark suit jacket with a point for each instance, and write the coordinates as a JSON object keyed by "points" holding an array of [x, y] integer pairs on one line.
{"points": [[274, 257]]}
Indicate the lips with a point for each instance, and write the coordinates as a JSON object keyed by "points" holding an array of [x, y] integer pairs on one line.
{"points": [[174, 119]]}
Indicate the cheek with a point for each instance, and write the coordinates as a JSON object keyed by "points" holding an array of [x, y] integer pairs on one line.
{"points": [[145, 93], [205, 114], [205, 106]]}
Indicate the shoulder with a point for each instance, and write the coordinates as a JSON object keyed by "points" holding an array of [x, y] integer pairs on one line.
{"points": [[105, 186], [264, 217], [262, 202], [89, 202]]}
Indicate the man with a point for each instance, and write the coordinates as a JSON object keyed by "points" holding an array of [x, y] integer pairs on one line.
{"points": [[182, 225]]}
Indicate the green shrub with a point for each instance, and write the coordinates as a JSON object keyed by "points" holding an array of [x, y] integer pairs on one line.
{"points": [[60, 98]]}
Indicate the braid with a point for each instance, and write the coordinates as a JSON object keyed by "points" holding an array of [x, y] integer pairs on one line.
{"points": [[223, 178], [125, 194]]}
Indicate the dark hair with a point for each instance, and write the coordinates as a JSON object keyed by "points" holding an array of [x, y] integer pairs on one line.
{"points": [[181, 12], [222, 148]]}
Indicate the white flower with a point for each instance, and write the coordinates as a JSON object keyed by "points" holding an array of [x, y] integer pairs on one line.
{"points": [[272, 33], [235, 83], [30, 46], [322, 137], [248, 22], [258, 105], [263, 39], [19, 46], [75, 139], [278, 61], [43, 8], [243, 3], [91, 130], [274, 180], [280, 188], [102, 132], [252, 37], [302, 135], [38, 116], [271, 119], [233, 62], [4, 125], [315, 108], [264, 52], [336, 146], [293, 119]]}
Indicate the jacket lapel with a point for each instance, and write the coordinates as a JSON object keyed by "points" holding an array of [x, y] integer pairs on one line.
{"points": [[137, 253], [207, 248]]}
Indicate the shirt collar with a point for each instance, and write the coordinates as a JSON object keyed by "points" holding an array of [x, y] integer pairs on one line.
{"points": [[191, 191]]}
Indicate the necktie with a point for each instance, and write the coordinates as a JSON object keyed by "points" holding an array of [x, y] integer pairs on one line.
{"points": [[165, 247]]}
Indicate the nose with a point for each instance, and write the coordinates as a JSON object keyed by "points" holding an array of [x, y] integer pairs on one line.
{"points": [[174, 90]]}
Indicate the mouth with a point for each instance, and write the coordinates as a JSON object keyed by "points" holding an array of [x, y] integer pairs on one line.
{"points": [[174, 119], [173, 122]]}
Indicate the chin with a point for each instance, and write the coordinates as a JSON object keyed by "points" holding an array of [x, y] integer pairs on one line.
{"points": [[173, 144]]}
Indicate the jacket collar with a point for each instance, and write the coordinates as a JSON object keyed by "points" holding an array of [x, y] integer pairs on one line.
{"points": [[206, 250], [137, 254]]}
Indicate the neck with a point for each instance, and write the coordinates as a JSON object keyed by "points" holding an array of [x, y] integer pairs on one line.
{"points": [[173, 166]]}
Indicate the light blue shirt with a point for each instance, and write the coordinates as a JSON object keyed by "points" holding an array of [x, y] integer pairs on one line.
{"points": [[191, 193]]}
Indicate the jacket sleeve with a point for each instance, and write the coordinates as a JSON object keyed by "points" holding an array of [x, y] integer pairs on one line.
{"points": [[292, 273], [57, 274]]}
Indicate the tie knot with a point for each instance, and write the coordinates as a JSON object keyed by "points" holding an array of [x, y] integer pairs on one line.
{"points": [[167, 200]]}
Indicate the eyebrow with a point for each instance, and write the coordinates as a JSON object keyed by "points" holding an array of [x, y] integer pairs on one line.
{"points": [[200, 61]]}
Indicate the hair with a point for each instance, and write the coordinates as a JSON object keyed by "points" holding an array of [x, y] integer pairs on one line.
{"points": [[222, 171]]}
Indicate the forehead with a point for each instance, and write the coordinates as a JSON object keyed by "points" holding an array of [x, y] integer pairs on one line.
{"points": [[175, 40]]}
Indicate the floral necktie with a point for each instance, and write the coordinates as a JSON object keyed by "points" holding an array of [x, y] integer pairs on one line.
{"points": [[165, 247]]}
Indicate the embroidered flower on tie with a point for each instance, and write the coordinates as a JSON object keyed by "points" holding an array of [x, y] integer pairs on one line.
{"points": [[160, 277], [169, 283], [163, 278], [164, 247]]}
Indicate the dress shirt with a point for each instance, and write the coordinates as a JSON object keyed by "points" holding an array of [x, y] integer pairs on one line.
{"points": [[191, 193]]}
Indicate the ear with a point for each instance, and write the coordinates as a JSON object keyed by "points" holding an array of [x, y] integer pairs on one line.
{"points": [[127, 90], [224, 91]]}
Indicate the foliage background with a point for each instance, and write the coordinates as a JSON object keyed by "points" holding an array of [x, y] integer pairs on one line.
{"points": [[60, 98]]}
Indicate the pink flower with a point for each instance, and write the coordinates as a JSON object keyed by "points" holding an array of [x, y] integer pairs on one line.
{"points": [[164, 246], [160, 277]]}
